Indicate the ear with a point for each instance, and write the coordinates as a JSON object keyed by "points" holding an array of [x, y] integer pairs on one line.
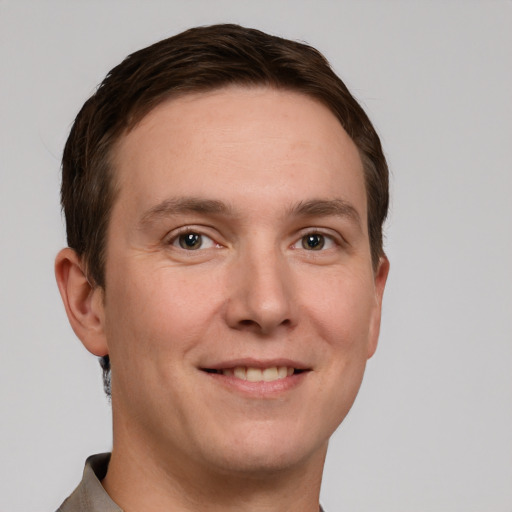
{"points": [[381, 276], [83, 302]]}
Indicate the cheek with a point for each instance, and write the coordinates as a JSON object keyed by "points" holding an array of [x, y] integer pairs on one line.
{"points": [[341, 317], [153, 326], [341, 308], [154, 311]]}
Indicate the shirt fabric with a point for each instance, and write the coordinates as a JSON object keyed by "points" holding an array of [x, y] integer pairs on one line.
{"points": [[90, 496]]}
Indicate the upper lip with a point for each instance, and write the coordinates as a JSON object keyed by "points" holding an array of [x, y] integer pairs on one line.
{"points": [[256, 363]]}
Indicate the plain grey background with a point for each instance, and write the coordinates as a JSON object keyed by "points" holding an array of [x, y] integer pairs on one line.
{"points": [[431, 429]]}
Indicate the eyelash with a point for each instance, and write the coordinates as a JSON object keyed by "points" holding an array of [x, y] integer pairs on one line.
{"points": [[326, 238], [174, 240]]}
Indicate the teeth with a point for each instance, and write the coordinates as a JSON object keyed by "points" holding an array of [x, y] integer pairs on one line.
{"points": [[254, 374], [257, 374], [270, 374], [282, 372], [240, 373]]}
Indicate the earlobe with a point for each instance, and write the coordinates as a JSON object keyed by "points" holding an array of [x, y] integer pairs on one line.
{"points": [[83, 302], [381, 276]]}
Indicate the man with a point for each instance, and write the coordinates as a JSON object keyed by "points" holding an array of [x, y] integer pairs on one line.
{"points": [[224, 198]]}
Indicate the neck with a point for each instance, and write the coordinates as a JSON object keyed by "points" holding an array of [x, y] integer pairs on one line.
{"points": [[145, 477]]}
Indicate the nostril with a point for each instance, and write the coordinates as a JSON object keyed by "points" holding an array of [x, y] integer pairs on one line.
{"points": [[254, 323]]}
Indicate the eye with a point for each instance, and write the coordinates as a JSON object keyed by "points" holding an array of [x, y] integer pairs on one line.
{"points": [[315, 242], [192, 241]]}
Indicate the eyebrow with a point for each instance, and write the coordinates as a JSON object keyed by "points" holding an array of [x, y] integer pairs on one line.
{"points": [[311, 208], [322, 207], [178, 205]]}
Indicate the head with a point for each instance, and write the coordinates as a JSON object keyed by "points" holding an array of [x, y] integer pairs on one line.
{"points": [[198, 60], [228, 76]]}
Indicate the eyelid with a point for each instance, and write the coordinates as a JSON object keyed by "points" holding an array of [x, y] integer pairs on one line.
{"points": [[330, 234], [172, 237]]}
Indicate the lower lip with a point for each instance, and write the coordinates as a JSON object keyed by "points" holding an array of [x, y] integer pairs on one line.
{"points": [[260, 389]]}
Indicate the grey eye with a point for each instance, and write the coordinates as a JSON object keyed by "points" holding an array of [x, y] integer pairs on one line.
{"points": [[313, 242]]}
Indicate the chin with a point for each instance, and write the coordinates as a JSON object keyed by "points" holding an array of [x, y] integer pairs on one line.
{"points": [[260, 465], [260, 454]]}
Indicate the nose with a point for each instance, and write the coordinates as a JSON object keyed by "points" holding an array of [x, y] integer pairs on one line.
{"points": [[261, 295]]}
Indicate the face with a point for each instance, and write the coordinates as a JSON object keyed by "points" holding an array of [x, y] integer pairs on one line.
{"points": [[240, 304]]}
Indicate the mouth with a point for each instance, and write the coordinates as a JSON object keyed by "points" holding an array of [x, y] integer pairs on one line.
{"points": [[254, 374]]}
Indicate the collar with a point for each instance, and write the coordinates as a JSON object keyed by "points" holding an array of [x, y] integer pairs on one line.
{"points": [[90, 496]]}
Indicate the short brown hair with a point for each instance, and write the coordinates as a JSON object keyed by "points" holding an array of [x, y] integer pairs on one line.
{"points": [[199, 59]]}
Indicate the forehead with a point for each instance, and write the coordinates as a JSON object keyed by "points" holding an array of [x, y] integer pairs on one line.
{"points": [[240, 140]]}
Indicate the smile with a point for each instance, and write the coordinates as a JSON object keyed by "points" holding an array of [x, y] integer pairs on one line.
{"points": [[253, 374]]}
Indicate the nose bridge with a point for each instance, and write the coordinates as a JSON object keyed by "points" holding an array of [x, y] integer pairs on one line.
{"points": [[262, 288]]}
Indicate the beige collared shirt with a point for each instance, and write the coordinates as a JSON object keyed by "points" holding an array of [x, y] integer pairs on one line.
{"points": [[90, 496]]}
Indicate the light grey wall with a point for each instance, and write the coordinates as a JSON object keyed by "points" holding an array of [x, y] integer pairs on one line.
{"points": [[432, 427]]}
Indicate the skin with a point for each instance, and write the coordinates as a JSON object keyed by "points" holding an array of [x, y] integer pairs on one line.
{"points": [[249, 173]]}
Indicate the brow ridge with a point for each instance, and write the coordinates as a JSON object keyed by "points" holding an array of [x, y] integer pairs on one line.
{"points": [[323, 207], [178, 205], [311, 208]]}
